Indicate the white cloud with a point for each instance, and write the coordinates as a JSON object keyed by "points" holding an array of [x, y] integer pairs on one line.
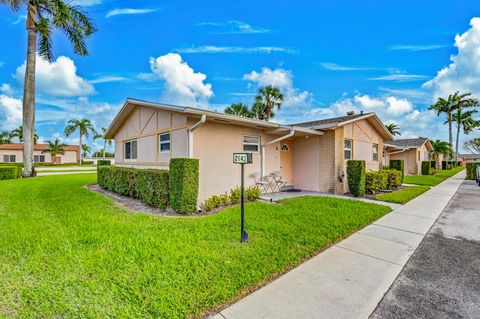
{"points": [[6, 89], [108, 79], [335, 67], [128, 11], [10, 112], [58, 78], [86, 3], [417, 47], [277, 77], [234, 27], [400, 77], [20, 18], [234, 49], [464, 70], [182, 84]]}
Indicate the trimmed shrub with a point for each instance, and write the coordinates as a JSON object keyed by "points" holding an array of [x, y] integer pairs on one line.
{"points": [[356, 177], [9, 172], [225, 199], [103, 162], [235, 194], [212, 202], [252, 193], [87, 162], [426, 168], [375, 181], [399, 166], [433, 164], [184, 184], [444, 165], [394, 178], [386, 167], [472, 170], [148, 185]]}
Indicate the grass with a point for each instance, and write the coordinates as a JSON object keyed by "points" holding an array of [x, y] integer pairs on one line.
{"points": [[66, 170], [403, 195], [432, 180], [66, 251]]}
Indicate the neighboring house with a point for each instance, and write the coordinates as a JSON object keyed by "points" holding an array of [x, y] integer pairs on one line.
{"points": [[468, 158], [412, 151], [96, 159], [309, 156], [13, 153]]}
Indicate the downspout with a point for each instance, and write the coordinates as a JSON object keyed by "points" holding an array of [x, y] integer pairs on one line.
{"points": [[190, 134], [262, 167]]}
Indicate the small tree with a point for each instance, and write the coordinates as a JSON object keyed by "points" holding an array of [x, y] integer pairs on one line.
{"points": [[5, 137], [85, 151], [105, 141], [84, 127], [55, 148], [356, 177], [393, 129], [18, 133], [239, 109], [268, 99]]}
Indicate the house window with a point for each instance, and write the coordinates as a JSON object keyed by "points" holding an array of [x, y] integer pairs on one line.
{"points": [[39, 158], [131, 150], [251, 144], [348, 149], [164, 140], [9, 158], [375, 152]]}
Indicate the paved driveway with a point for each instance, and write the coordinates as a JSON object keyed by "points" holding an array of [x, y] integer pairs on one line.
{"points": [[442, 278]]}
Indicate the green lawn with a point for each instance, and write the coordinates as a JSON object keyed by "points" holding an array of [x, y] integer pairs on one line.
{"points": [[432, 180], [403, 195], [66, 251]]}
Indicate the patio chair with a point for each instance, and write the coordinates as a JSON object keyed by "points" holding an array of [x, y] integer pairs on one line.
{"points": [[280, 183], [260, 183]]}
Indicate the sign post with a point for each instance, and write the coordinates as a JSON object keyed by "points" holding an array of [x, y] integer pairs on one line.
{"points": [[242, 159]]}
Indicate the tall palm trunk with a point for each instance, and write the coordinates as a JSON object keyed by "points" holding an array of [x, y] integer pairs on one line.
{"points": [[81, 150], [458, 137], [29, 95], [450, 134], [268, 110]]}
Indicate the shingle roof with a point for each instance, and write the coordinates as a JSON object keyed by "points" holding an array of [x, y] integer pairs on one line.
{"points": [[408, 143], [469, 155], [37, 147], [332, 120]]}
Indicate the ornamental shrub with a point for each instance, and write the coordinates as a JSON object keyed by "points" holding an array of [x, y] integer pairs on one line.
{"points": [[212, 202], [394, 178], [472, 170], [235, 194], [184, 184], [426, 168], [399, 166], [10, 172], [103, 162], [433, 164], [356, 177], [252, 193], [375, 181]]}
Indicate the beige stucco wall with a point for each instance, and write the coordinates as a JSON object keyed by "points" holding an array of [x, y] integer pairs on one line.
{"points": [[214, 145], [144, 125], [69, 157], [412, 159], [306, 163]]}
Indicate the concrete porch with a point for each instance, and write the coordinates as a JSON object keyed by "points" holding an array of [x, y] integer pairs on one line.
{"points": [[274, 197]]}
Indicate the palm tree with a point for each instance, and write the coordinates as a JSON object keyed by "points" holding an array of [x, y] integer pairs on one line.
{"points": [[85, 150], [473, 146], [268, 98], [55, 148], [18, 133], [393, 129], [84, 127], [440, 148], [239, 109], [445, 106], [5, 137], [105, 141], [464, 120], [43, 17]]}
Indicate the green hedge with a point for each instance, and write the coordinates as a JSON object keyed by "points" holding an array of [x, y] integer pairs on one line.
{"points": [[376, 181], [433, 164], [399, 166], [184, 184], [148, 185], [10, 172], [356, 177], [472, 170], [103, 162], [426, 167], [394, 178]]}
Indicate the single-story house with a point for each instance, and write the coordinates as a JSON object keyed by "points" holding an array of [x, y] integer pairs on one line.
{"points": [[308, 156], [468, 158], [412, 151], [13, 153]]}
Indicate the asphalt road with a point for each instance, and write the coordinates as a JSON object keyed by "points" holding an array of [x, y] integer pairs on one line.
{"points": [[442, 278]]}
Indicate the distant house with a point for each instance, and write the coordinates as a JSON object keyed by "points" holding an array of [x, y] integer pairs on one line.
{"points": [[309, 156], [13, 153], [412, 151], [468, 158]]}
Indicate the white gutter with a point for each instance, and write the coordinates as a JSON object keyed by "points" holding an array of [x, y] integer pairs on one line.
{"points": [[190, 134], [262, 167]]}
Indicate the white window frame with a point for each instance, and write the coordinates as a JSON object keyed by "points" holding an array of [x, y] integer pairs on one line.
{"points": [[373, 152], [160, 142], [257, 144], [9, 158], [348, 149], [39, 158], [125, 151]]}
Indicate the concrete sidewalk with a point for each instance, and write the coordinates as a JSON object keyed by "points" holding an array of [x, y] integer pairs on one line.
{"points": [[349, 279]]}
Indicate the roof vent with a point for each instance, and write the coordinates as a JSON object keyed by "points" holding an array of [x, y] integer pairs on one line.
{"points": [[350, 113], [361, 112]]}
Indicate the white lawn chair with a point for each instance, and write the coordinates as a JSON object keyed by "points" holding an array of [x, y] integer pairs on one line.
{"points": [[260, 183], [280, 183]]}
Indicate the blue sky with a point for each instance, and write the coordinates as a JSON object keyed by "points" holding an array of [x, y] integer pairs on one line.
{"points": [[328, 58]]}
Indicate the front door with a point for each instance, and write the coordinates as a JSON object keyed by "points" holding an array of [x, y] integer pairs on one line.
{"points": [[286, 161]]}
